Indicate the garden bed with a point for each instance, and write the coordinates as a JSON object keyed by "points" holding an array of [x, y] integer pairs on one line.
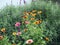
{"points": [[36, 24]]}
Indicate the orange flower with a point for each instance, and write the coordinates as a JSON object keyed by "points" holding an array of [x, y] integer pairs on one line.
{"points": [[29, 12], [1, 37], [46, 38], [32, 18], [39, 12], [25, 16], [40, 21], [37, 22], [34, 11], [3, 30], [34, 14]]}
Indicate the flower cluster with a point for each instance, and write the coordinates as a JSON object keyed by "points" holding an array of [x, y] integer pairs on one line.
{"points": [[27, 29], [31, 15]]}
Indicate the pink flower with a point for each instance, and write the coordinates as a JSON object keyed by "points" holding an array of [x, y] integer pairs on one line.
{"points": [[18, 33], [29, 41], [17, 24], [27, 22]]}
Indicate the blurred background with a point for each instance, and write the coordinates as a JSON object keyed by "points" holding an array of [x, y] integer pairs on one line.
{"points": [[17, 2], [14, 2]]}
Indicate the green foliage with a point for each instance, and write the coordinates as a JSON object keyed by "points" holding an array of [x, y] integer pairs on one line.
{"points": [[48, 28]]}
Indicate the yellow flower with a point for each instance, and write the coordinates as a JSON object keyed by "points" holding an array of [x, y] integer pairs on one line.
{"points": [[3, 30], [32, 18], [25, 16], [39, 12], [34, 11], [34, 14], [37, 22], [40, 21], [14, 33], [46, 38], [26, 13], [31, 13]]}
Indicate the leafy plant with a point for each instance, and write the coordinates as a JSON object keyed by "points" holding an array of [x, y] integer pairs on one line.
{"points": [[36, 24]]}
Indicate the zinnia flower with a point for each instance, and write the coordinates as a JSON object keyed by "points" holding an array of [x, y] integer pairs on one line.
{"points": [[25, 16], [1, 37], [3, 30], [38, 22], [14, 33], [34, 11], [27, 22], [17, 24], [29, 41], [32, 18], [31, 13], [18, 33], [34, 14], [26, 13], [39, 12]]}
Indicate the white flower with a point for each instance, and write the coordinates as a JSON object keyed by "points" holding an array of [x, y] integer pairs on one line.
{"points": [[29, 41], [18, 33]]}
